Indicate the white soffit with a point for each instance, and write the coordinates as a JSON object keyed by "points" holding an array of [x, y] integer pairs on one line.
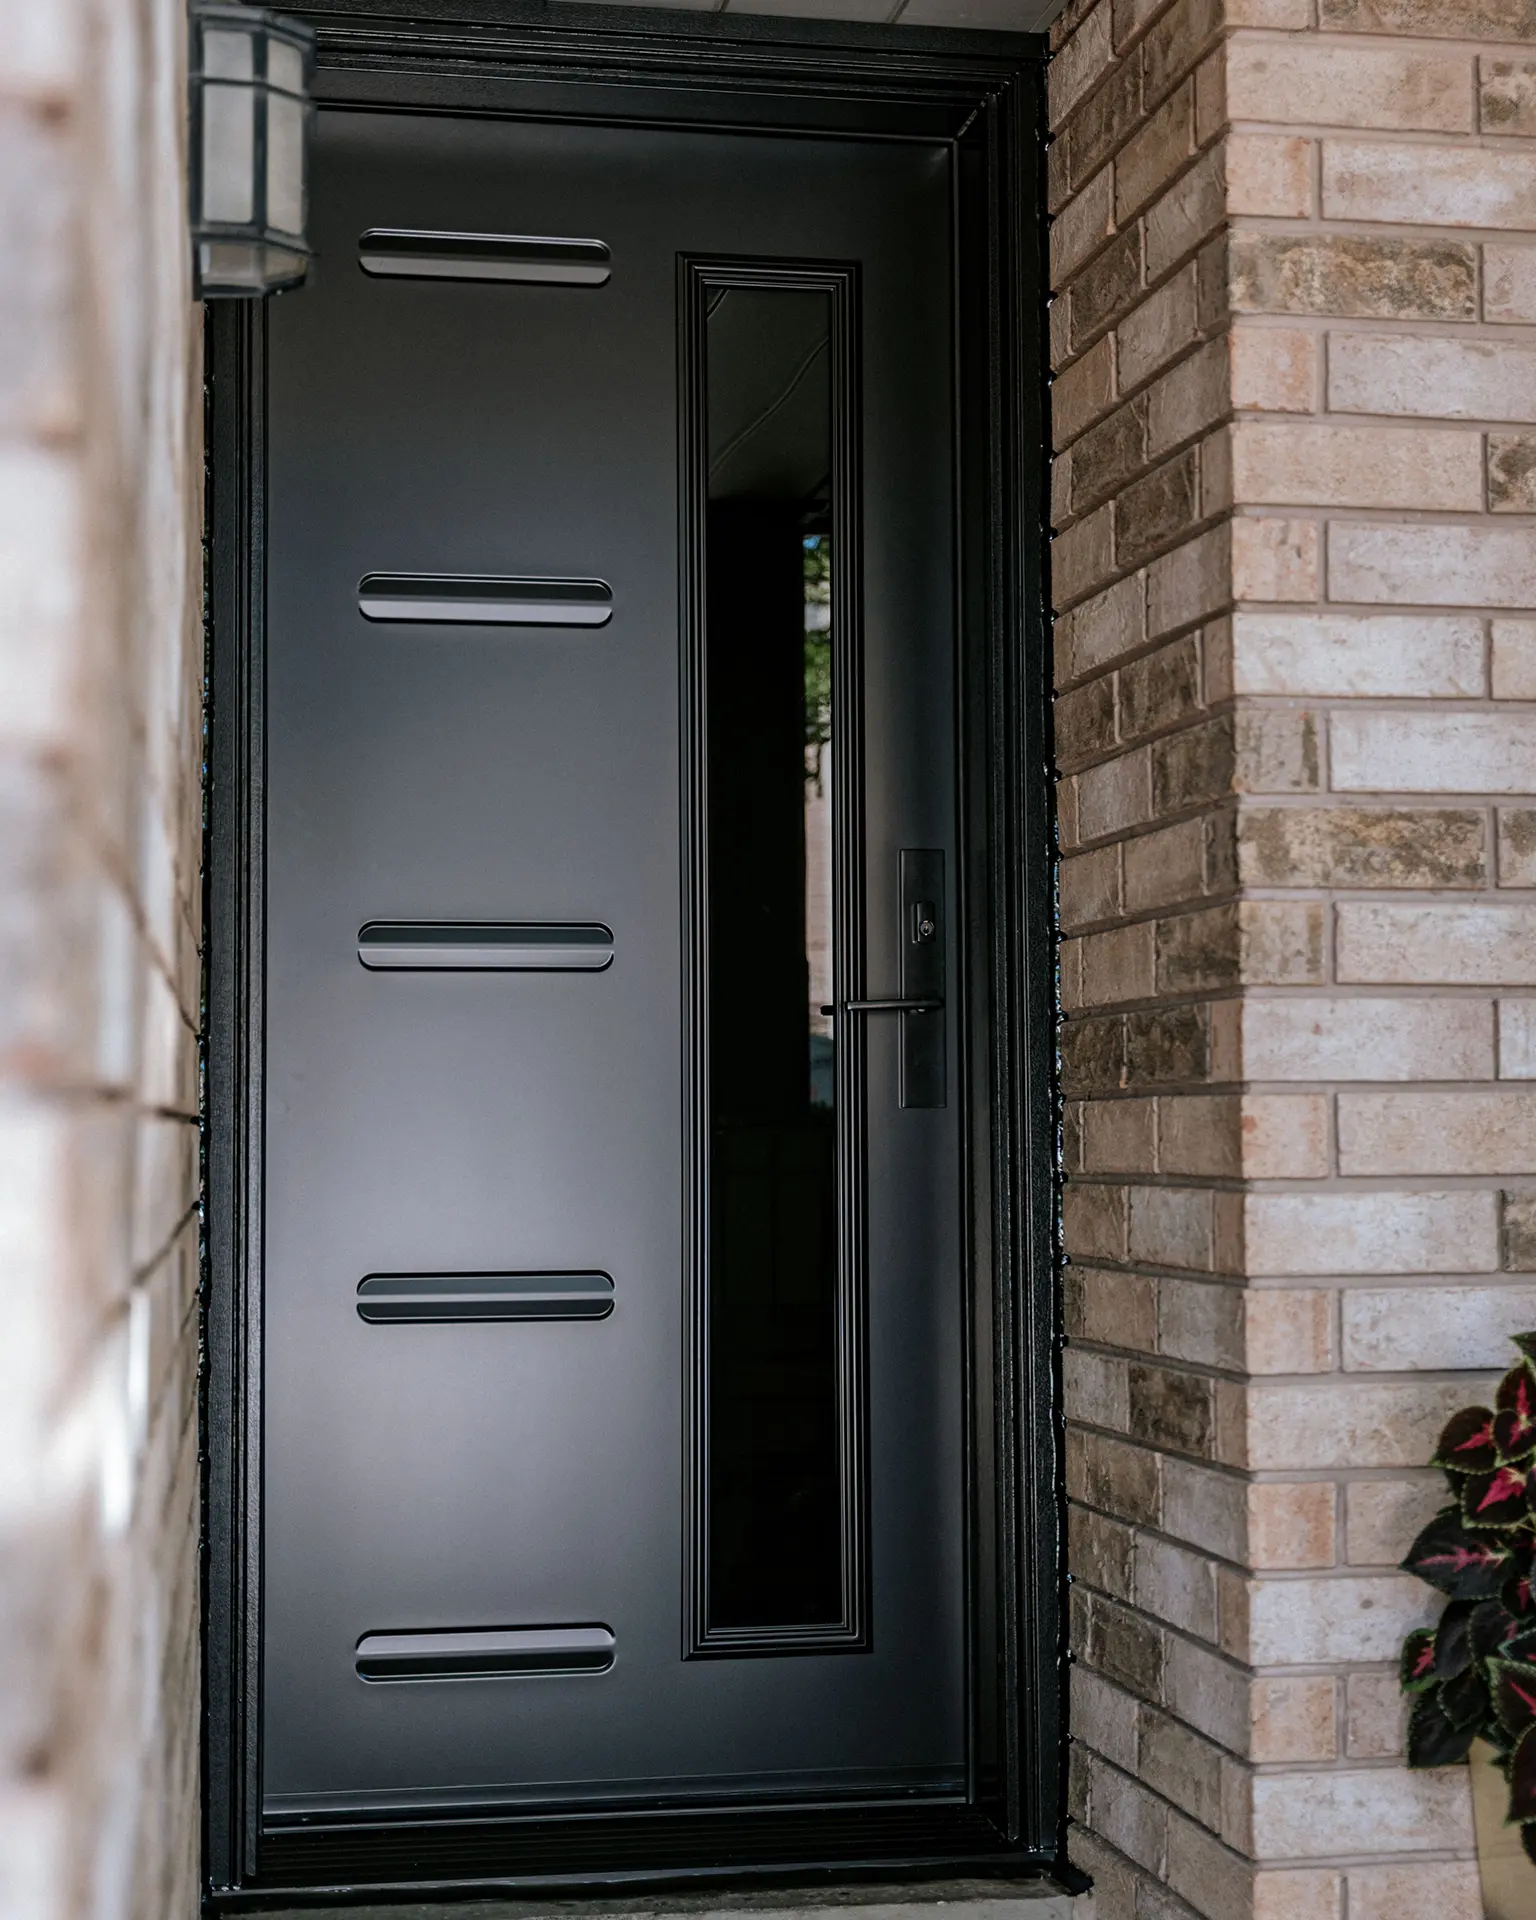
{"points": [[1006, 16]]}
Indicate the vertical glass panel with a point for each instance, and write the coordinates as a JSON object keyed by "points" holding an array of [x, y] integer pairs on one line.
{"points": [[285, 66], [285, 163], [229, 152], [774, 1489], [228, 54]]}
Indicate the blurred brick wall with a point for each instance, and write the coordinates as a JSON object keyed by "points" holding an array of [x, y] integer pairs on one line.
{"points": [[1294, 339], [100, 751]]}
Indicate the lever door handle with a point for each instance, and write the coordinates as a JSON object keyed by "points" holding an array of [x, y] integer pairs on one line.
{"points": [[887, 1006]]}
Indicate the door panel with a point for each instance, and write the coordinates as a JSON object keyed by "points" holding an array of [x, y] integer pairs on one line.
{"points": [[505, 1130]]}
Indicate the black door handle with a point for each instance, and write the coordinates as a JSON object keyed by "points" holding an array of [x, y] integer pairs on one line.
{"points": [[887, 1006]]}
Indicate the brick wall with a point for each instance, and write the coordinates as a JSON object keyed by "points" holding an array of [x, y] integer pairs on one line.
{"points": [[100, 667], [1294, 338]]}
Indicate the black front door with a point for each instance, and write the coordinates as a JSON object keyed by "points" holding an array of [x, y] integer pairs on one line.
{"points": [[614, 1267]]}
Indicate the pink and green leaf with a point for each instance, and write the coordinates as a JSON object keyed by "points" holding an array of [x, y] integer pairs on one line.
{"points": [[1514, 1420], [1466, 1443], [1465, 1565], [1500, 1499]]}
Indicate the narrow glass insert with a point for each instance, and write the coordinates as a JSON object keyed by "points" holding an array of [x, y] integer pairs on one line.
{"points": [[774, 1492]]}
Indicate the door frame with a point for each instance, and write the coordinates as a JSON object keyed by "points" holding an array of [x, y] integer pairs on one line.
{"points": [[983, 94]]}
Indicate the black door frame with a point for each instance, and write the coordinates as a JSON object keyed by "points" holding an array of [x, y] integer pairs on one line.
{"points": [[982, 94]]}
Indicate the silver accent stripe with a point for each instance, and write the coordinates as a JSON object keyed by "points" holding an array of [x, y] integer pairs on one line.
{"points": [[505, 947], [468, 599], [488, 1654], [414, 1297], [417, 254]]}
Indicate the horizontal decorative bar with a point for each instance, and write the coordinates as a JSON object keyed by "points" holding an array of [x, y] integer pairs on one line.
{"points": [[484, 1655], [485, 1296], [405, 253], [468, 599], [495, 947]]}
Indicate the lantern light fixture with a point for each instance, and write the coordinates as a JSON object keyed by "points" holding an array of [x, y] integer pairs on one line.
{"points": [[248, 155]]}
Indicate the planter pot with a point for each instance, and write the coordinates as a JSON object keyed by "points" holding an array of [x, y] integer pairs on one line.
{"points": [[1508, 1874]]}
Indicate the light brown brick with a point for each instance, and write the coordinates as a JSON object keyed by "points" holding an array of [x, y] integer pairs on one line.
{"points": [[1275, 559], [1109, 454], [1103, 120], [1165, 868], [1186, 215], [1294, 1719], [1190, 583], [1155, 153], [1106, 287], [1177, 41], [1085, 722], [1158, 509], [1492, 1130], [1451, 19], [1177, 1763], [1509, 282], [1172, 1410], [1114, 795], [1189, 399], [1517, 1232], [1119, 1136], [1269, 173], [1090, 887], [1297, 1815], [1517, 846], [1082, 558], [1363, 276], [1200, 1320], [1367, 1039], [1317, 83], [1506, 95], [1295, 465], [1427, 375], [1083, 392], [1435, 753], [1514, 659], [1310, 1426], [1118, 965], [1164, 325], [1289, 1329], [1360, 847], [1082, 227], [1429, 1328], [1274, 369], [1113, 1309], [1093, 1221], [1460, 945], [1517, 1039], [1298, 1893], [1512, 472], [1441, 186], [1079, 64], [1432, 565], [1292, 1525], [1114, 1476], [1341, 654], [1102, 628], [1447, 1889], [1355, 1232]]}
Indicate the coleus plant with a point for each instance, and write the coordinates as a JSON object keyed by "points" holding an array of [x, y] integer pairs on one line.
{"points": [[1473, 1675]]}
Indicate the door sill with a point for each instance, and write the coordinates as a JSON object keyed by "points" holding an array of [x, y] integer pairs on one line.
{"points": [[1037, 1898]]}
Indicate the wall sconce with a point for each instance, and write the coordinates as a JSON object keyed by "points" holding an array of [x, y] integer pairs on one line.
{"points": [[248, 157]]}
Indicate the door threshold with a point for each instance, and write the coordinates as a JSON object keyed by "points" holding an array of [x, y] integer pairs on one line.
{"points": [[1040, 1898]]}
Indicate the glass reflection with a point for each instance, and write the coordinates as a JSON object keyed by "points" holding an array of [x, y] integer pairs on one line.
{"points": [[774, 1488]]}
